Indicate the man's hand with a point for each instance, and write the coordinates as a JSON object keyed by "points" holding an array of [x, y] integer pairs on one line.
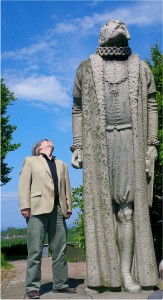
{"points": [[68, 214], [77, 160], [26, 212]]}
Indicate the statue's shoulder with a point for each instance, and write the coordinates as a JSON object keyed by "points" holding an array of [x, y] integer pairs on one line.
{"points": [[136, 58], [143, 64], [83, 64]]}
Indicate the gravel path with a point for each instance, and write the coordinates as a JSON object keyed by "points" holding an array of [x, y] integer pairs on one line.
{"points": [[13, 287]]}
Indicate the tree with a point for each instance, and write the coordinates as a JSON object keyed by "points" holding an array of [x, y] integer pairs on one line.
{"points": [[11, 231], [155, 64], [6, 132], [77, 198]]}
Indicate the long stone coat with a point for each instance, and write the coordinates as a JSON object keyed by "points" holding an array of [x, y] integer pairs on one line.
{"points": [[89, 129]]}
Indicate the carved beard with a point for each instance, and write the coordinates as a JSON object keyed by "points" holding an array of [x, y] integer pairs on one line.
{"points": [[119, 40]]}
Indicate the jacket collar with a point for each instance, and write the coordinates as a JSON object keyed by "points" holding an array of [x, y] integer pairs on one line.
{"points": [[58, 166], [43, 160]]}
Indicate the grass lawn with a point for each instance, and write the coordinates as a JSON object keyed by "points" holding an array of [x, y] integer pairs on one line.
{"points": [[6, 267]]}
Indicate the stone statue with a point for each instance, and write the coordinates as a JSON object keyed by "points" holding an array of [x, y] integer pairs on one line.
{"points": [[114, 139]]}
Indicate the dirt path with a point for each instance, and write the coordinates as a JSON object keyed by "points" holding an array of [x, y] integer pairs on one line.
{"points": [[13, 287], [13, 284]]}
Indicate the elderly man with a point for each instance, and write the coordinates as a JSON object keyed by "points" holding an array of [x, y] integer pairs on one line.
{"points": [[45, 202], [115, 126]]}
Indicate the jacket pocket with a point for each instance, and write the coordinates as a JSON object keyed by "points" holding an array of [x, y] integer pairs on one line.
{"points": [[36, 194]]}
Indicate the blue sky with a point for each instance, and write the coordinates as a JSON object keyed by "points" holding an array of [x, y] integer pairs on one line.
{"points": [[43, 42]]}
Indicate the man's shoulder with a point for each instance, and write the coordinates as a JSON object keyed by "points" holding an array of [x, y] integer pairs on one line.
{"points": [[31, 159], [60, 162]]}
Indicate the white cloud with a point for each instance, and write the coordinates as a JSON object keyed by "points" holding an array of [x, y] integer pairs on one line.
{"points": [[44, 89], [51, 49], [26, 51], [142, 13], [66, 28], [45, 107], [9, 196], [58, 56]]}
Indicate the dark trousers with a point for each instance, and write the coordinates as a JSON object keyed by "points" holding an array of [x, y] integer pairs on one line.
{"points": [[54, 224]]}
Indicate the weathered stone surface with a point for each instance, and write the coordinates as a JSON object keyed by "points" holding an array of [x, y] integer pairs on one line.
{"points": [[115, 123]]}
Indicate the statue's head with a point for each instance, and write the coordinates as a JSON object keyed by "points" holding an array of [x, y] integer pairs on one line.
{"points": [[114, 33]]}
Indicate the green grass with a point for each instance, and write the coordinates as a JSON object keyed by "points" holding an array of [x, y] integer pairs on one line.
{"points": [[13, 242], [17, 248], [71, 237], [4, 264]]}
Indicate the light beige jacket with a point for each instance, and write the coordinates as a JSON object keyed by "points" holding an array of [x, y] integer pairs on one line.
{"points": [[36, 187]]}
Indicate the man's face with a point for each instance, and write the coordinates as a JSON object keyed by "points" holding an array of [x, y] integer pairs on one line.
{"points": [[47, 145], [114, 32]]}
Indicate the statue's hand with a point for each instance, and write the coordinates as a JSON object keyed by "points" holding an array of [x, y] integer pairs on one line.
{"points": [[151, 155], [152, 151], [77, 160]]}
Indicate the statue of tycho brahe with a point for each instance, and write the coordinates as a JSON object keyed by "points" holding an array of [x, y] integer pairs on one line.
{"points": [[114, 140]]}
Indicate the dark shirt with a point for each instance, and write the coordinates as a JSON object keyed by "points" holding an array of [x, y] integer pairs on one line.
{"points": [[53, 170]]}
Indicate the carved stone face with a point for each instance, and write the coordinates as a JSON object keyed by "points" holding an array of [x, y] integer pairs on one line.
{"points": [[114, 33]]}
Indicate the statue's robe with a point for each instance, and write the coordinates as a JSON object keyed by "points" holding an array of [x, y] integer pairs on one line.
{"points": [[89, 129]]}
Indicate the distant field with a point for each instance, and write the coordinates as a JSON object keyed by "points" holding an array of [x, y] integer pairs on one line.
{"points": [[17, 248], [13, 242], [22, 241]]}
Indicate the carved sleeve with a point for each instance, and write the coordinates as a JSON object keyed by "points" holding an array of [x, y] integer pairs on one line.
{"points": [[77, 111], [152, 108]]}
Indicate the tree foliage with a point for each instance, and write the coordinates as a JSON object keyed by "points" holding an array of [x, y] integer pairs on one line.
{"points": [[4, 264], [6, 132], [11, 231], [77, 198], [156, 64]]}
